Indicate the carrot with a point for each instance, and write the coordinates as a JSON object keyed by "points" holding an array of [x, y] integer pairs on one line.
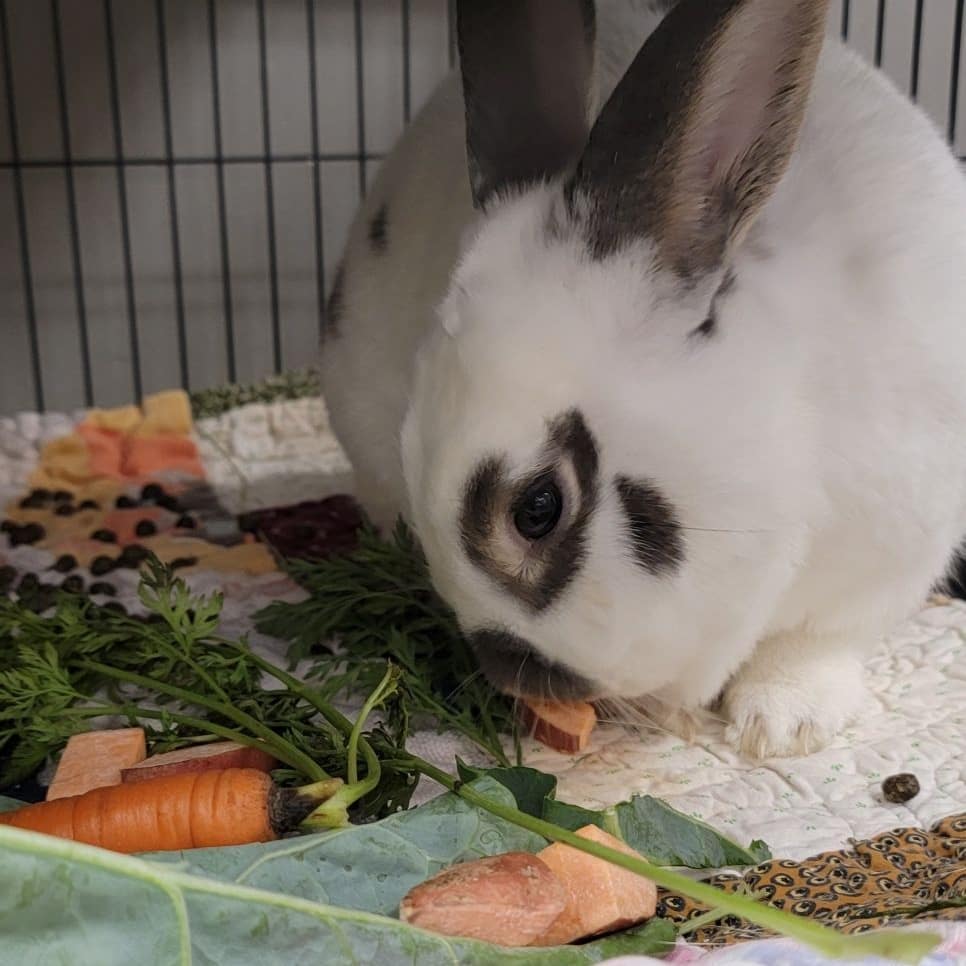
{"points": [[510, 900], [185, 811], [93, 759], [601, 897], [564, 726], [217, 756]]}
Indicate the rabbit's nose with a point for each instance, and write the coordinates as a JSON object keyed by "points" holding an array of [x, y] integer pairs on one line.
{"points": [[516, 667]]}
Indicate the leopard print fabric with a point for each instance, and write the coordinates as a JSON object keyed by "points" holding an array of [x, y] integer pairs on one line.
{"points": [[897, 876]]}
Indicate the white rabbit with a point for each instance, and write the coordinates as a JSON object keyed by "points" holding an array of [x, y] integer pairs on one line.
{"points": [[675, 403]]}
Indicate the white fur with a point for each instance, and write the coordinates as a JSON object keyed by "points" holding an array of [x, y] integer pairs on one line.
{"points": [[815, 448]]}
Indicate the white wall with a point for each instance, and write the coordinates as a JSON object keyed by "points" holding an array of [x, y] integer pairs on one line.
{"points": [[99, 223]]}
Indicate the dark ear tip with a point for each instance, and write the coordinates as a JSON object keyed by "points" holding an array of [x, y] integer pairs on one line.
{"points": [[527, 70], [652, 192]]}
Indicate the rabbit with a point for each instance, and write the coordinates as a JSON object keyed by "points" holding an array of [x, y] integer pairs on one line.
{"points": [[653, 329]]}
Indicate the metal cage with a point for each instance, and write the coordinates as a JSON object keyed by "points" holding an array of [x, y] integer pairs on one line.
{"points": [[178, 176]]}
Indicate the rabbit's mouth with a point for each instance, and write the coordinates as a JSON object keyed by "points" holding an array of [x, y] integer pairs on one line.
{"points": [[516, 668]]}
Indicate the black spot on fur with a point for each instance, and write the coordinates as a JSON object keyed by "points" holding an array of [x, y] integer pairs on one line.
{"points": [[334, 308], [479, 507], [571, 434], [653, 530], [953, 583], [708, 326], [727, 284], [514, 666], [379, 230], [488, 502]]}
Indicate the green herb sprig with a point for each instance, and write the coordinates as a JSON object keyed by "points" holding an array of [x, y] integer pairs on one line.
{"points": [[378, 604]]}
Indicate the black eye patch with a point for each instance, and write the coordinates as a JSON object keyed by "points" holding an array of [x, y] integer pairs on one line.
{"points": [[490, 496], [652, 527], [480, 505]]}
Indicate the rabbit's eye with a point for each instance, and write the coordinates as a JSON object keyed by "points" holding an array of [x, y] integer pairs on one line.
{"points": [[538, 510]]}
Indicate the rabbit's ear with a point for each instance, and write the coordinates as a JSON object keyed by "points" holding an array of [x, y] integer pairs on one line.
{"points": [[527, 69], [701, 128]]}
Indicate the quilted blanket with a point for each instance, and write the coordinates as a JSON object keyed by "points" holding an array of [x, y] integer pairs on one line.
{"points": [[268, 454]]}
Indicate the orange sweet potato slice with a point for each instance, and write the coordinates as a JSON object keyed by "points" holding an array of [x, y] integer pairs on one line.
{"points": [[509, 900], [218, 755], [95, 759], [563, 726], [602, 897]]}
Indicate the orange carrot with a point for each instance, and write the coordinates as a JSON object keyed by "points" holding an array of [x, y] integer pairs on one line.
{"points": [[216, 756], [93, 759], [564, 726], [184, 811], [601, 897], [510, 900]]}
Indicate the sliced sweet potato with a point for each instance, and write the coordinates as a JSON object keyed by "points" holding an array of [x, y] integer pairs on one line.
{"points": [[210, 757], [602, 897], [509, 900], [563, 726], [95, 759]]}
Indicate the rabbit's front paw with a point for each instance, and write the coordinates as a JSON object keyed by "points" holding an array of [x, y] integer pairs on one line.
{"points": [[784, 704]]}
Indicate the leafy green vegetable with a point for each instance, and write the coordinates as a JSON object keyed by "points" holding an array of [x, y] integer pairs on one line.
{"points": [[367, 867], [61, 902], [378, 603], [573, 817], [650, 826], [669, 837], [531, 789]]}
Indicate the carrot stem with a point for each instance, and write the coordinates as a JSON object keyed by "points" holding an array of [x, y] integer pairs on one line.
{"points": [[381, 691], [331, 714], [334, 717], [283, 749], [335, 811], [184, 656], [136, 711]]}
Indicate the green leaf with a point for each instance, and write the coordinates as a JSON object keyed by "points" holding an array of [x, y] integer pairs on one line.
{"points": [[572, 817], [9, 804], [653, 938], [61, 902], [649, 825], [367, 867], [530, 788], [669, 837]]}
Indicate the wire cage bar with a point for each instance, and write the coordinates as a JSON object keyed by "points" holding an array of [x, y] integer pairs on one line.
{"points": [[176, 175]]}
